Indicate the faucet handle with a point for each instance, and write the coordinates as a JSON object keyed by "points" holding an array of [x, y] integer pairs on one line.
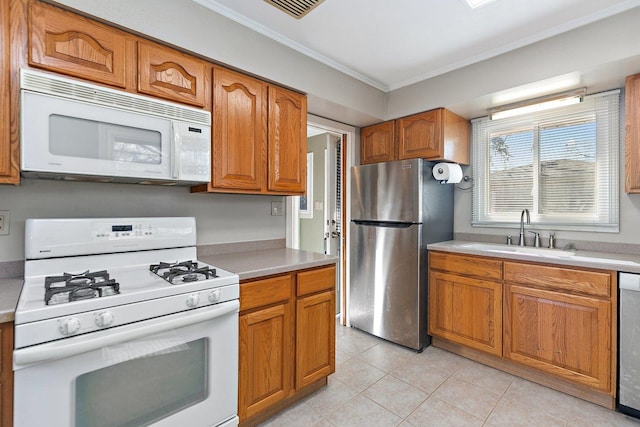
{"points": [[552, 240], [536, 241]]}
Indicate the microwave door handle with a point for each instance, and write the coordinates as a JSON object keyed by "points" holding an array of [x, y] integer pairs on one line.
{"points": [[175, 143]]}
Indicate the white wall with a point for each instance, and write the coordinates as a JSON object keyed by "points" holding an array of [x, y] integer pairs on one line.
{"points": [[312, 229], [600, 54], [220, 218]]}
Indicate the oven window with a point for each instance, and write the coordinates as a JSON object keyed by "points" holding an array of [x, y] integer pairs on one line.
{"points": [[90, 139], [141, 391]]}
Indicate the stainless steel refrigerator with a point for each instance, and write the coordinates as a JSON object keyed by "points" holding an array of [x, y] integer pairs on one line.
{"points": [[397, 208]]}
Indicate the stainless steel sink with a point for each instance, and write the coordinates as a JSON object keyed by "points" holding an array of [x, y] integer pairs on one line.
{"points": [[506, 249]]}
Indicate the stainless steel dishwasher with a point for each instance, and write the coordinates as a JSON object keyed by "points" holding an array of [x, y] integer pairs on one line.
{"points": [[629, 344]]}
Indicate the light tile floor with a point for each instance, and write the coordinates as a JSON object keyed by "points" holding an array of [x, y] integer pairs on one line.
{"points": [[377, 383]]}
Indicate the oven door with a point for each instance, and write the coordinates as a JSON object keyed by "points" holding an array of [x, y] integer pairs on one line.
{"points": [[174, 370]]}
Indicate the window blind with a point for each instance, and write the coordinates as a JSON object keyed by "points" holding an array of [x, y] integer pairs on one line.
{"points": [[561, 164]]}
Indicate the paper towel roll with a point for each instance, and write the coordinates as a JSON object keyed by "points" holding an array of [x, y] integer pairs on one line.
{"points": [[447, 173]]}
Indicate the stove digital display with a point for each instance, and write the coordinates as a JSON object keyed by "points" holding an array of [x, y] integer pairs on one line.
{"points": [[121, 228]]}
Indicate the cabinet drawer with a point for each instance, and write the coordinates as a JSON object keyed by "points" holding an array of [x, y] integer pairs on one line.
{"points": [[264, 292], [588, 282], [316, 280], [467, 265]]}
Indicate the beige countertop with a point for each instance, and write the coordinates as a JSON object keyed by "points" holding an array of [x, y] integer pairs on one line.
{"points": [[599, 260], [9, 293], [252, 264]]}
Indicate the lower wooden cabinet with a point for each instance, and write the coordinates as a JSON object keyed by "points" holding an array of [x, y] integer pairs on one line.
{"points": [[548, 323], [465, 301], [466, 310], [265, 358], [6, 374], [559, 320], [287, 340]]}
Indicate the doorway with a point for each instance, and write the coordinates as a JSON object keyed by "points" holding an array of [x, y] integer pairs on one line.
{"points": [[315, 222]]}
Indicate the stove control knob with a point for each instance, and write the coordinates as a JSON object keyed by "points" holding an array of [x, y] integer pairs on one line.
{"points": [[104, 319], [69, 326], [193, 300], [214, 295]]}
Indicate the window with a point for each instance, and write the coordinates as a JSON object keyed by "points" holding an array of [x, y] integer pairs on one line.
{"points": [[561, 164]]}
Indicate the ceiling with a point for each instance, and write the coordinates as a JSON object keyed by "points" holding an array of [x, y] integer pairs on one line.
{"points": [[392, 44]]}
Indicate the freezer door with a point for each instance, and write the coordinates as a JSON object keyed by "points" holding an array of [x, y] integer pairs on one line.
{"points": [[387, 294], [389, 191]]}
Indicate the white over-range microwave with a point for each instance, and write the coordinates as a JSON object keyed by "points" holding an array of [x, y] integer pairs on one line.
{"points": [[75, 130]]}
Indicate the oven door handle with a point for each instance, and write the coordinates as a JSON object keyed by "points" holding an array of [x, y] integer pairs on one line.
{"points": [[81, 344]]}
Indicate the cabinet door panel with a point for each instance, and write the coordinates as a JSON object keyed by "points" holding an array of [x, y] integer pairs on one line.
{"points": [[265, 375], [632, 134], [287, 141], [9, 171], [377, 143], [566, 335], [67, 43], [315, 338], [170, 74], [420, 135], [239, 131], [467, 311]]}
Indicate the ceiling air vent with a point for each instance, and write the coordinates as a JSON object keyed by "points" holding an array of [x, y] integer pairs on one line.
{"points": [[295, 8]]}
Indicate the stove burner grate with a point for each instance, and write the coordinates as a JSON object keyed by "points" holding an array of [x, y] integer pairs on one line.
{"points": [[75, 287], [182, 272]]}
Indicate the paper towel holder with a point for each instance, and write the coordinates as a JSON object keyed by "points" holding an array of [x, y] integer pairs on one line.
{"points": [[441, 172]]}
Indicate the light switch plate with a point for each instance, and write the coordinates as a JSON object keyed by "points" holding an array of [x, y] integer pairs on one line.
{"points": [[277, 209], [4, 222]]}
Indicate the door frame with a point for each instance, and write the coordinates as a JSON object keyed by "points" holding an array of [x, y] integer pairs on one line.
{"points": [[350, 150]]}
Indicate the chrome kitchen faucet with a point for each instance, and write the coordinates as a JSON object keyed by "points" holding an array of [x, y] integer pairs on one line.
{"points": [[522, 242]]}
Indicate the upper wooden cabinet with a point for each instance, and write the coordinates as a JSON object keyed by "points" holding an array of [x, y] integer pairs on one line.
{"points": [[170, 74], [239, 132], [632, 134], [433, 135], [259, 137], [67, 43], [9, 170], [377, 143], [287, 150]]}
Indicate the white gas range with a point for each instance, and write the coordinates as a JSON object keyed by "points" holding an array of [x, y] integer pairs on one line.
{"points": [[118, 324]]}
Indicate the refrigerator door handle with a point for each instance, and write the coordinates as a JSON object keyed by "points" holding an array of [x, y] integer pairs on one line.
{"points": [[386, 224]]}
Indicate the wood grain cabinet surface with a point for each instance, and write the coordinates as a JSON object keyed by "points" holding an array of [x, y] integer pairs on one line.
{"points": [[6, 374], [67, 43], [9, 168], [433, 135], [561, 323], [287, 340], [287, 148], [266, 344], [548, 323], [315, 325], [259, 137], [173, 75], [632, 134], [377, 143], [239, 132], [465, 301]]}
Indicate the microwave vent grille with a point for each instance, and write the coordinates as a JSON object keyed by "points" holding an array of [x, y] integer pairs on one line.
{"points": [[80, 91]]}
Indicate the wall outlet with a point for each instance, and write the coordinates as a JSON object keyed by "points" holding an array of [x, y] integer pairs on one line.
{"points": [[4, 222], [277, 208]]}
